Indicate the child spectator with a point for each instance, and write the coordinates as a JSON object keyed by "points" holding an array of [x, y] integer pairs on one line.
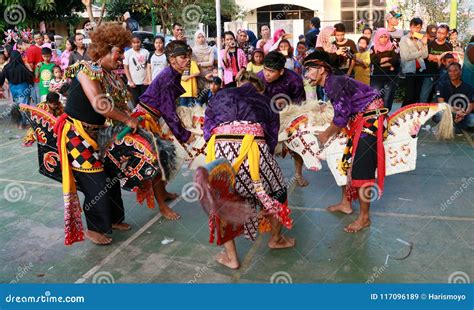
{"points": [[362, 61], [367, 32], [57, 82], [256, 62], [206, 95], [346, 48], [157, 61], [385, 61], [189, 83], [135, 63], [44, 72], [284, 47], [301, 54], [51, 105]]}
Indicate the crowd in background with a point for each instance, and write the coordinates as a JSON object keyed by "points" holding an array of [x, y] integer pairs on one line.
{"points": [[431, 60]]}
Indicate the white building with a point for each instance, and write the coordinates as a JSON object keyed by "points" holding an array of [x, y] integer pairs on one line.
{"points": [[329, 11]]}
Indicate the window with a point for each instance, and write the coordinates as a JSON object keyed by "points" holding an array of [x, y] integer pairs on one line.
{"points": [[348, 20], [372, 12], [347, 4]]}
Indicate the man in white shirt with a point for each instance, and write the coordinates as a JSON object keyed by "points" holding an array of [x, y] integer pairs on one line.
{"points": [[135, 62], [178, 33]]}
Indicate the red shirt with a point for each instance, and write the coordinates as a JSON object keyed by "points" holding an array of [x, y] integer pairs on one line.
{"points": [[33, 55]]}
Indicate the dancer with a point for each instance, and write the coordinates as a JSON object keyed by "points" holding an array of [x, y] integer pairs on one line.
{"points": [[159, 100], [282, 84], [359, 110], [93, 97], [241, 126]]}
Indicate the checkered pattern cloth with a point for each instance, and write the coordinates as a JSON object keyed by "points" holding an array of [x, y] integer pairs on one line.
{"points": [[83, 157]]}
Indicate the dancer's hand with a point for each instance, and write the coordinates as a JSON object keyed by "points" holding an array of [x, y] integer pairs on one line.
{"points": [[132, 123], [191, 139], [322, 136]]}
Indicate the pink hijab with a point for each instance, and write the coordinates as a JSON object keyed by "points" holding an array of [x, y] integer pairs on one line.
{"points": [[377, 46], [324, 39], [278, 33]]}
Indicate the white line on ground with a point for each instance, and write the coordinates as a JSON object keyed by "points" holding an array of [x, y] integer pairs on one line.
{"points": [[32, 183], [405, 215], [8, 159], [121, 247], [10, 142]]}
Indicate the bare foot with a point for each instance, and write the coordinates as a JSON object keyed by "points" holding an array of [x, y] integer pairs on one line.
{"points": [[301, 181], [282, 243], [98, 238], [168, 213], [223, 259], [357, 225], [170, 196], [122, 226], [341, 207]]}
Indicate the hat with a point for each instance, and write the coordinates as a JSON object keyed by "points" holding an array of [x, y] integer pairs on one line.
{"points": [[315, 58], [392, 14]]}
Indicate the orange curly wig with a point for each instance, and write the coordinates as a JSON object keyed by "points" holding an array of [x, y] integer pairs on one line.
{"points": [[105, 37]]}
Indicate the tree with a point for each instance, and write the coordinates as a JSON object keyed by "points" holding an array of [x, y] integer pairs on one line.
{"points": [[167, 12], [23, 13], [437, 11]]}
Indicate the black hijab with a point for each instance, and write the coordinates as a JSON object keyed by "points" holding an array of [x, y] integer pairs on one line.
{"points": [[15, 71]]}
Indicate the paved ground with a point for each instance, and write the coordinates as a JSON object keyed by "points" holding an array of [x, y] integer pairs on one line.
{"points": [[430, 207]]}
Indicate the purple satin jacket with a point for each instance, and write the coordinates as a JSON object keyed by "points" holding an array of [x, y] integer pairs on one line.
{"points": [[161, 95], [243, 103], [348, 97]]}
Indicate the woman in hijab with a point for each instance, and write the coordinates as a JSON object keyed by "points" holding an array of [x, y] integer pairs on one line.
{"points": [[244, 44], [204, 56], [20, 80], [252, 38], [386, 64]]}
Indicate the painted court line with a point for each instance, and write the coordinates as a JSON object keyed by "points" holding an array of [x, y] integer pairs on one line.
{"points": [[10, 142], [404, 215], [8, 159], [468, 137], [121, 247], [31, 183]]}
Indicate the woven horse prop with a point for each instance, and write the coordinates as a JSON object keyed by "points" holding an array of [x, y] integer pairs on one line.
{"points": [[134, 156], [298, 124], [194, 154], [400, 145]]}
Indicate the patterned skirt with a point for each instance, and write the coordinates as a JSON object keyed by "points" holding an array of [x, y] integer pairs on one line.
{"points": [[271, 177]]}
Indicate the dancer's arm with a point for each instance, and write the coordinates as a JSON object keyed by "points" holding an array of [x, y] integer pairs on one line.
{"points": [[101, 105]]}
